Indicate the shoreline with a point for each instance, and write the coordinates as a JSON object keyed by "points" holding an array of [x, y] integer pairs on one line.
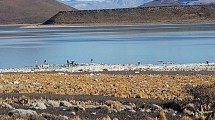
{"points": [[106, 24], [116, 68]]}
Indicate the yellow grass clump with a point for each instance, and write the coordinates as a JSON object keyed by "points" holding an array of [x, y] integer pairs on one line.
{"points": [[106, 118], [162, 115], [75, 118], [114, 104], [186, 118]]}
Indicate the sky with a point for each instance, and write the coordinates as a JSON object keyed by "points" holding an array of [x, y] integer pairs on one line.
{"points": [[109, 4]]}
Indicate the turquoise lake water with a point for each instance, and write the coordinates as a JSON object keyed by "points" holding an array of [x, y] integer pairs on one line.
{"points": [[22, 46]]}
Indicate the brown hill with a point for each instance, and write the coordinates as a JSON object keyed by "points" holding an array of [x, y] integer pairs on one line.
{"points": [[29, 11], [168, 14]]}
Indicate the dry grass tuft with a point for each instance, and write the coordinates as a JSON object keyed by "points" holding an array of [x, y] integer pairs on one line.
{"points": [[23, 100], [115, 119], [162, 115], [75, 118], [114, 104], [106, 118], [186, 118]]}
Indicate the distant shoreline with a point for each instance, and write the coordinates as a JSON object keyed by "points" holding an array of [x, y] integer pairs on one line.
{"points": [[100, 24], [112, 68]]}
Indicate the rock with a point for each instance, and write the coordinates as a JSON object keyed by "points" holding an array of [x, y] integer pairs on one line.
{"points": [[148, 110], [60, 117], [5, 105], [22, 113], [112, 111], [91, 74], [91, 106], [75, 108], [93, 113], [54, 117], [15, 82], [65, 104], [211, 116], [133, 111], [142, 110], [52, 103], [72, 113], [38, 106], [156, 107], [79, 108], [190, 109], [190, 106], [126, 107]]}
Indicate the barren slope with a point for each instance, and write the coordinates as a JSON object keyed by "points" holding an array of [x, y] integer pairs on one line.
{"points": [[152, 15], [29, 11]]}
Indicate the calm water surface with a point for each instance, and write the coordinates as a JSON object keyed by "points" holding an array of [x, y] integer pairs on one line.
{"points": [[21, 46]]}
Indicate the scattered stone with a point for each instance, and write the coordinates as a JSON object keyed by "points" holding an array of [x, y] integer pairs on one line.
{"points": [[38, 106], [22, 113], [54, 117], [91, 74], [126, 107], [65, 104], [211, 116], [133, 111], [52, 103], [15, 82], [190, 106], [79, 108], [142, 110], [72, 113], [91, 106], [60, 117], [5, 105], [156, 107], [93, 113], [148, 110], [190, 109]]}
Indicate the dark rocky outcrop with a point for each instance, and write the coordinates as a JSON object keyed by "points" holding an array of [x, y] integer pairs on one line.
{"points": [[168, 14], [29, 11]]}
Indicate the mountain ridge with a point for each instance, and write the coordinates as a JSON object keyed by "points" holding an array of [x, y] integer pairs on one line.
{"points": [[29, 11], [155, 3], [113, 4]]}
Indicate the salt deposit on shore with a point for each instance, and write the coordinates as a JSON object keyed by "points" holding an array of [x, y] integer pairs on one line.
{"points": [[114, 67]]}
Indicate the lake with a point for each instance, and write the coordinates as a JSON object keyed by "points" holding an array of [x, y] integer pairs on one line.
{"points": [[26, 46]]}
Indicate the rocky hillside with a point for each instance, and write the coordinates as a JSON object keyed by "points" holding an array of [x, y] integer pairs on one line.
{"points": [[171, 14], [29, 11]]}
